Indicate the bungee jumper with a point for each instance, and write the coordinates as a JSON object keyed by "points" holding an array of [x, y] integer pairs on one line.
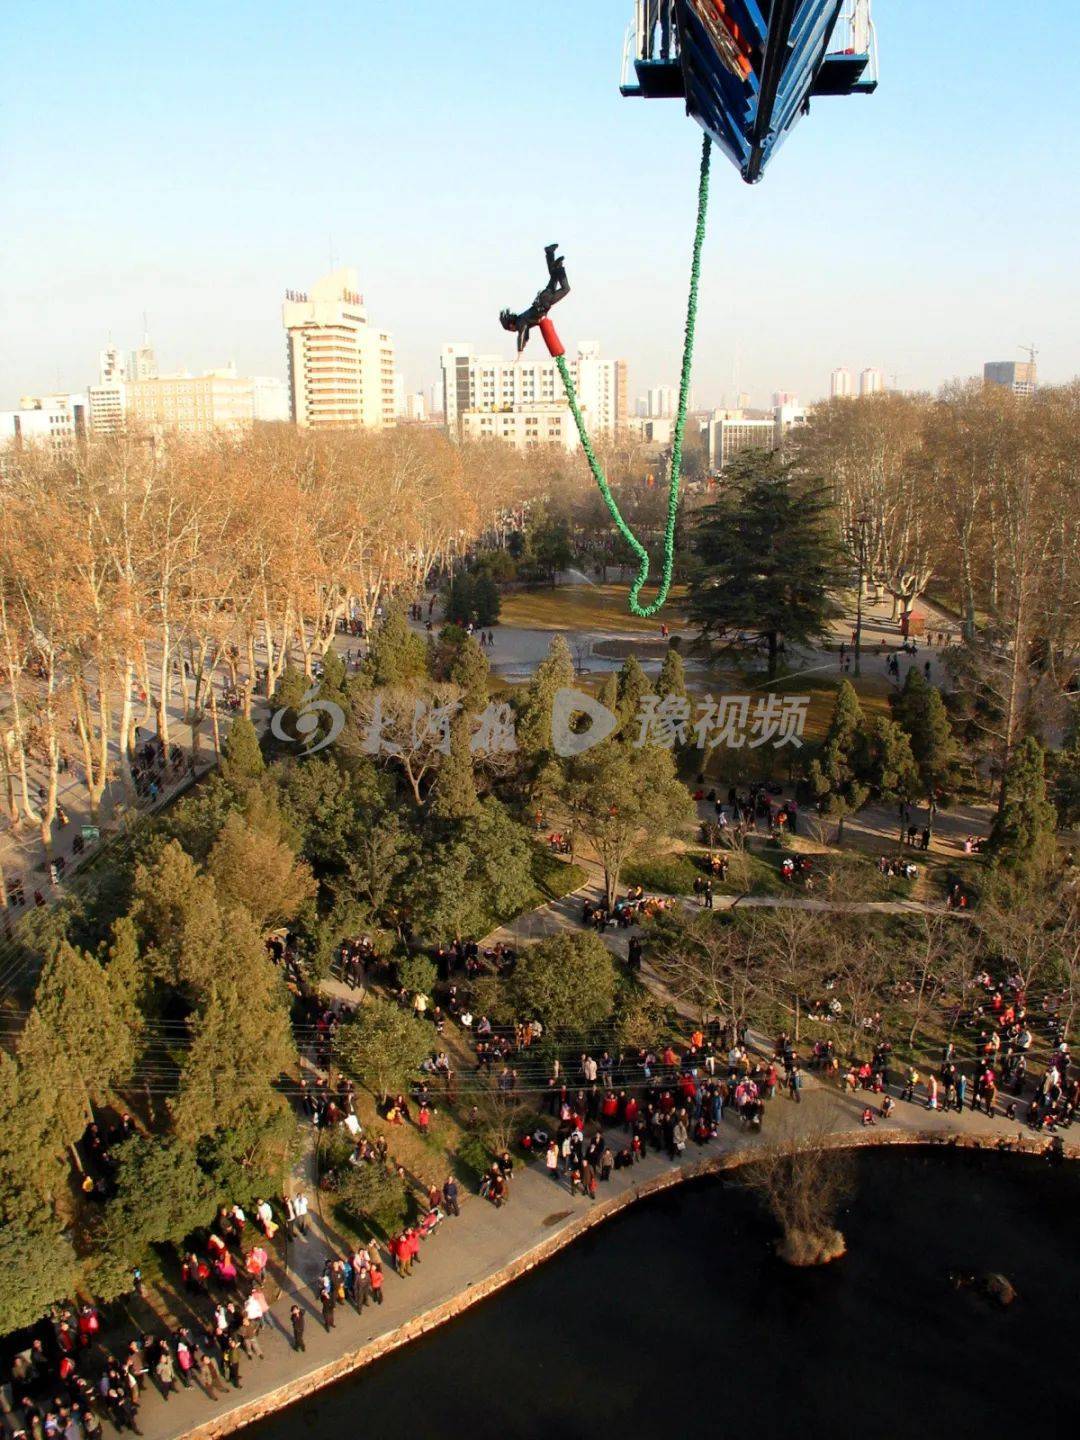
{"points": [[746, 71], [557, 288]]}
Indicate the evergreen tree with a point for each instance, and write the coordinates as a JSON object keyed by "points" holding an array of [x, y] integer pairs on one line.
{"points": [[487, 602], [53, 1113], [619, 794], [884, 761], [1066, 774], [568, 982], [455, 795], [555, 672], [334, 677], [252, 866], [162, 1194], [632, 684], [240, 1047], [460, 608], [94, 1045], [417, 974], [397, 655], [921, 712], [128, 978], [477, 875], [1022, 836], [241, 754], [608, 694], [672, 678], [383, 1046], [769, 558], [178, 919], [37, 1266], [833, 771], [469, 670]]}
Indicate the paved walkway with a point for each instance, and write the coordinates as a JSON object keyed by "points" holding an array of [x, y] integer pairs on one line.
{"points": [[471, 1253], [467, 1253]]}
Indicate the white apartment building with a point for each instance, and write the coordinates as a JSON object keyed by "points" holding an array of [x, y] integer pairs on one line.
{"points": [[341, 370], [733, 431], [491, 385], [871, 381], [841, 384], [541, 424], [53, 420], [107, 403]]}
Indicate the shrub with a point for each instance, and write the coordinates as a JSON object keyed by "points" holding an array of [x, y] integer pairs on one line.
{"points": [[375, 1195]]}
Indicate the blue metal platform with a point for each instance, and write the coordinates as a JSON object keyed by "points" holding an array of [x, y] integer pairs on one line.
{"points": [[747, 69]]}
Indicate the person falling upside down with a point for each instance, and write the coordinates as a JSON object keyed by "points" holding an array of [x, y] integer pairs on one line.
{"points": [[555, 290]]}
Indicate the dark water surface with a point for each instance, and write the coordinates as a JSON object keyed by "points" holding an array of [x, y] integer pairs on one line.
{"points": [[675, 1319]]}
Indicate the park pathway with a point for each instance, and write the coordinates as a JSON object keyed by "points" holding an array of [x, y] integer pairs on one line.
{"points": [[472, 1256]]}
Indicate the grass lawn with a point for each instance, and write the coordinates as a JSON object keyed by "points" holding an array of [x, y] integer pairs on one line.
{"points": [[583, 607]]}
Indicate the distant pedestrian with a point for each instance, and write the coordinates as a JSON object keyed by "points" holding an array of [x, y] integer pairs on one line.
{"points": [[296, 1319]]}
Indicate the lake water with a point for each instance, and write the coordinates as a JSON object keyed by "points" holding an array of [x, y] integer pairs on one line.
{"points": [[676, 1319]]}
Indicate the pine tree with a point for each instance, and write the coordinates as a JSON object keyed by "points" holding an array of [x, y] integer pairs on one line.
{"points": [[460, 600], [241, 755], [1023, 833], [833, 772], [469, 670], [921, 712], [672, 678], [397, 655], [383, 1046], [884, 762], [94, 1044], [769, 558], [608, 694], [555, 672], [486, 601], [632, 684], [253, 866], [1066, 774], [178, 919], [53, 1110], [455, 786]]}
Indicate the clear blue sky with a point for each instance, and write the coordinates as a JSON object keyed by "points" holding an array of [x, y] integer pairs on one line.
{"points": [[195, 159]]}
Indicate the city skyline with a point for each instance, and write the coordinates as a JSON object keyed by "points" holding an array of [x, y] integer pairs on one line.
{"points": [[789, 279]]}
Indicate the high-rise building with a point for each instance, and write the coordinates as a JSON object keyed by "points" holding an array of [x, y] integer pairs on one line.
{"points": [[871, 381], [661, 402], [143, 362], [490, 385], [784, 397], [841, 385], [1021, 377], [400, 410], [111, 367], [416, 406], [341, 369]]}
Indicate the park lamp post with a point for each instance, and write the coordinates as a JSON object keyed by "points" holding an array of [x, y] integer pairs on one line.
{"points": [[861, 523]]}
